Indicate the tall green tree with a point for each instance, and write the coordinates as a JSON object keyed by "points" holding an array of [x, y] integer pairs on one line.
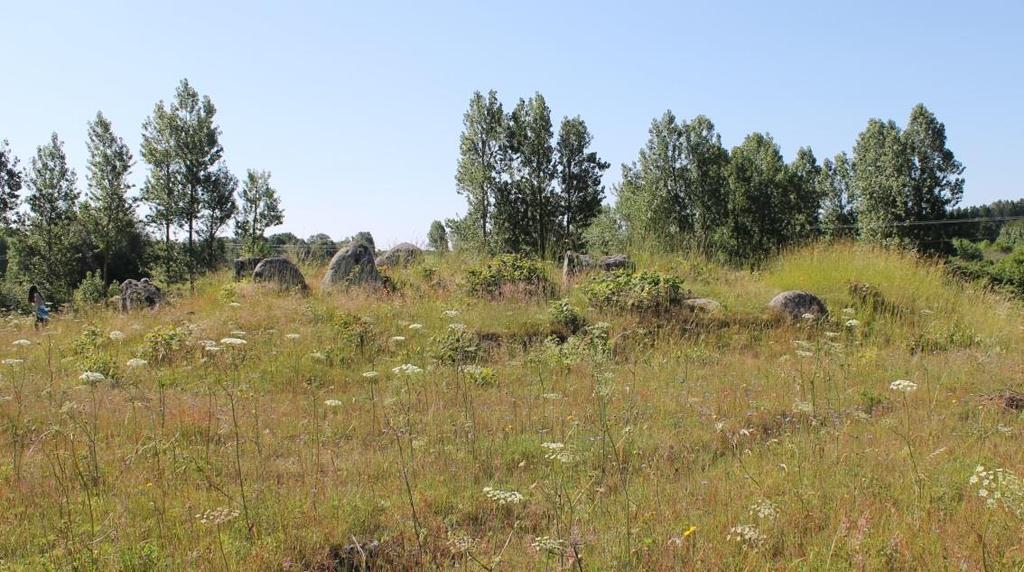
{"points": [[526, 218], [580, 192], [11, 181], [108, 213], [706, 184], [881, 181], [759, 197], [219, 207], [437, 237], [206, 188], [162, 190], [936, 176], [477, 175], [260, 209], [46, 252], [651, 196], [804, 199], [838, 218]]}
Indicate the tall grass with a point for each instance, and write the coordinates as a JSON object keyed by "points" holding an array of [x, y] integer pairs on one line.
{"points": [[728, 441]]}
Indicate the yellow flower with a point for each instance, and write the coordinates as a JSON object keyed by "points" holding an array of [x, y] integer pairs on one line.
{"points": [[689, 531]]}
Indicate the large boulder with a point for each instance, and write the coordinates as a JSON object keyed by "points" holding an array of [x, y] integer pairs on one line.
{"points": [[702, 305], [280, 272], [400, 255], [136, 294], [245, 266], [353, 266], [796, 304]]}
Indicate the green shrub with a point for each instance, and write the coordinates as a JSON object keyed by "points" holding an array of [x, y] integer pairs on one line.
{"points": [[506, 273], [967, 250], [635, 291], [164, 343], [91, 290], [565, 317], [455, 346]]}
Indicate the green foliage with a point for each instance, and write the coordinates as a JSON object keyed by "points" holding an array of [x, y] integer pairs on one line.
{"points": [[91, 290], [1009, 271], [260, 209], [565, 317], [606, 234], [838, 216], [455, 346], [164, 344], [437, 237], [1012, 234], [11, 181], [476, 177], [635, 291], [967, 250], [108, 213], [580, 192], [507, 273]]}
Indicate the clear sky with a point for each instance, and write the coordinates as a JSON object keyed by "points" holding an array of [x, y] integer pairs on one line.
{"points": [[356, 108]]}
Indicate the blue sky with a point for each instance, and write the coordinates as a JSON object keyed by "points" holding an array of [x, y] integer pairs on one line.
{"points": [[356, 108]]}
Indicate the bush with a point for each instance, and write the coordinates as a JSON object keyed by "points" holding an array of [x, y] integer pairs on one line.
{"points": [[91, 290], [635, 291], [967, 250], [455, 346], [507, 272], [565, 317]]}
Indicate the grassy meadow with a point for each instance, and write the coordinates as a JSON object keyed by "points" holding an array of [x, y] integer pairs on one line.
{"points": [[239, 428]]}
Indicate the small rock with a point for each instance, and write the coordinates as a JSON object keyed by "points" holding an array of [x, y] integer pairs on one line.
{"points": [[703, 305]]}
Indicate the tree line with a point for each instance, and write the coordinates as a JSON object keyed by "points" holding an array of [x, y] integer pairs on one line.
{"points": [[685, 190], [56, 237]]}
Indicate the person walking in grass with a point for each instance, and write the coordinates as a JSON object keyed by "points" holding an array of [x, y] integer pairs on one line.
{"points": [[38, 303]]}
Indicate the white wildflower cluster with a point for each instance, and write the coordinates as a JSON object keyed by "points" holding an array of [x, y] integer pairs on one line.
{"points": [[21, 343], [803, 407], [234, 304], [233, 342], [397, 339], [764, 509], [91, 377], [406, 369], [116, 335], [503, 497], [550, 546], [136, 362], [237, 333], [551, 396], [292, 336], [1000, 487], [808, 317], [370, 374], [217, 516], [804, 348], [558, 452], [13, 361], [333, 403], [852, 323], [450, 313], [903, 385], [460, 542], [748, 535], [415, 326], [318, 356]]}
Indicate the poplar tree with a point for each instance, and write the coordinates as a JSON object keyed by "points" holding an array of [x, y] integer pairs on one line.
{"points": [[580, 192], [477, 175], [108, 213], [11, 182], [260, 209]]}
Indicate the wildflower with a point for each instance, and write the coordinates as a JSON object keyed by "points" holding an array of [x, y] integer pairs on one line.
{"points": [[415, 326], [803, 407], [551, 396], [748, 535], [804, 353], [831, 334], [550, 546], [808, 316], [455, 326], [217, 517], [234, 304], [318, 356], [292, 336], [13, 361], [136, 362], [406, 369], [396, 339], [690, 531], [906, 386], [849, 311], [450, 313], [370, 374], [21, 342], [764, 509], [213, 348], [233, 342], [558, 452], [1000, 487], [237, 333], [333, 403], [116, 335], [503, 497], [460, 542], [852, 323], [91, 377]]}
